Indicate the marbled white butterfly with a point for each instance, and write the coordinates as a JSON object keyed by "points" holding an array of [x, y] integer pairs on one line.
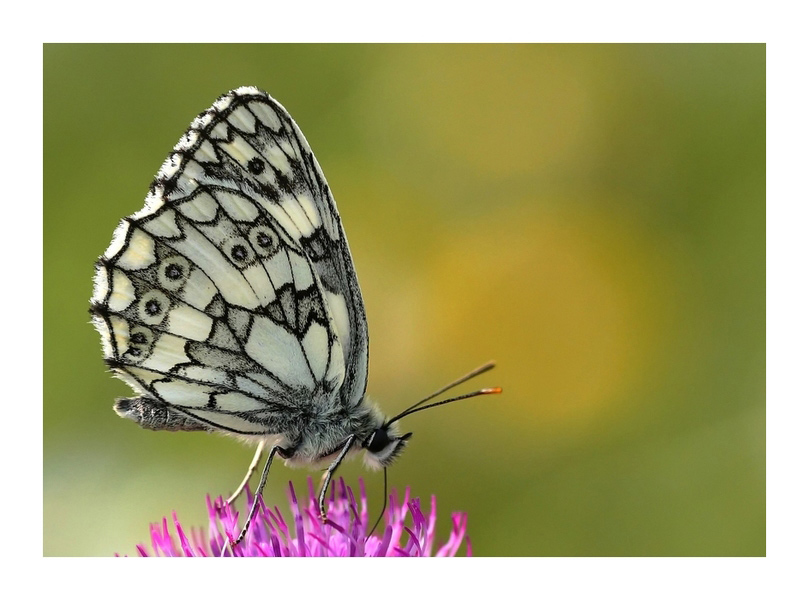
{"points": [[229, 302]]}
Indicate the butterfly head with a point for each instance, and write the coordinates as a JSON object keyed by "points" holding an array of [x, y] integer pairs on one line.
{"points": [[384, 445]]}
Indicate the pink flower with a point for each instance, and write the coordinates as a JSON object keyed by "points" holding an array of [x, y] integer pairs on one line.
{"points": [[407, 531]]}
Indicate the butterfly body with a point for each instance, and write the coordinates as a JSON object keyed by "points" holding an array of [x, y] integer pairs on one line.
{"points": [[229, 303], [308, 438]]}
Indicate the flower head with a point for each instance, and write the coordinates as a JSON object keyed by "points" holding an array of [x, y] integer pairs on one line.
{"points": [[407, 530]]}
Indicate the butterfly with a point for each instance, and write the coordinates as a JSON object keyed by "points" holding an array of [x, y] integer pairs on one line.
{"points": [[229, 303]]}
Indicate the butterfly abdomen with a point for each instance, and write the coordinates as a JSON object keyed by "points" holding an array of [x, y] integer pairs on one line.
{"points": [[152, 414]]}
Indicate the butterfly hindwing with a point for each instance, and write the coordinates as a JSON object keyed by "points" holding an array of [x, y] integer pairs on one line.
{"points": [[231, 298]]}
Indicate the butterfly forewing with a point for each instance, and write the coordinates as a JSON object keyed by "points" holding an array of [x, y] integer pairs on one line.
{"points": [[231, 296]]}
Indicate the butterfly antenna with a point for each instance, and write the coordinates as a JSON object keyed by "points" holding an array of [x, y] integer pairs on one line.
{"points": [[418, 405]]}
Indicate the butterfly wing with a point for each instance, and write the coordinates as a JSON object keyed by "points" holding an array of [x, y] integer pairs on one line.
{"points": [[230, 301]]}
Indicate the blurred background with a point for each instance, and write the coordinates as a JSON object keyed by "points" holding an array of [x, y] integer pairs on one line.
{"points": [[592, 217]]}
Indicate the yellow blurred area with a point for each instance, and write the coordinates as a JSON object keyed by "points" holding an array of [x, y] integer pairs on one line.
{"points": [[574, 306], [493, 109], [589, 216]]}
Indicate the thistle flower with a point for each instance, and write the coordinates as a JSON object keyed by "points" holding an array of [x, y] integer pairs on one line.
{"points": [[343, 533]]}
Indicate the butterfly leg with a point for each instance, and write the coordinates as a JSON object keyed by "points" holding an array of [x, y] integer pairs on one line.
{"points": [[250, 470], [384, 504], [254, 508], [329, 472]]}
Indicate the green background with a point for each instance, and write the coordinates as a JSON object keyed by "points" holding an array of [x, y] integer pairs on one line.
{"points": [[590, 216]]}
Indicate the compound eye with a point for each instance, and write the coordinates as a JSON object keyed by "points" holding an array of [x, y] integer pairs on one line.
{"points": [[379, 441]]}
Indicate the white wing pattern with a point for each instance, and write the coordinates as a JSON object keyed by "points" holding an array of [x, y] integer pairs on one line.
{"points": [[230, 301]]}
